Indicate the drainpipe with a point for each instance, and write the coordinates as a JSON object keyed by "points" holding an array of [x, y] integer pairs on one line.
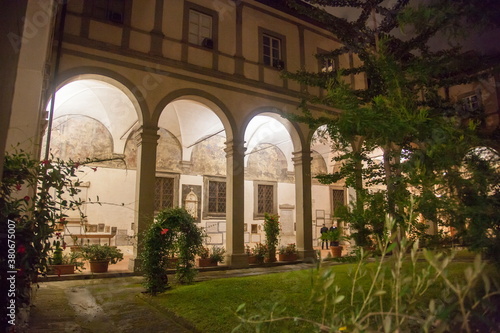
{"points": [[56, 69]]}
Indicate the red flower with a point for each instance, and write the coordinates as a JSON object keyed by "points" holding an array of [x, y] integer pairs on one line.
{"points": [[76, 165], [18, 187], [64, 246], [62, 220], [26, 198], [45, 162], [21, 249], [95, 169], [164, 231]]}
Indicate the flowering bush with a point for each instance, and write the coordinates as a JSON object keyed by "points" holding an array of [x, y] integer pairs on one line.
{"points": [[172, 231], [34, 197], [259, 250], [288, 249]]}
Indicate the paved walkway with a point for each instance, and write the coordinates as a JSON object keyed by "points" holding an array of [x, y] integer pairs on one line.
{"points": [[116, 304]]}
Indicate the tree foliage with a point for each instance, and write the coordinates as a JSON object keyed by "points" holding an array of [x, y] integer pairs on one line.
{"points": [[406, 111]]}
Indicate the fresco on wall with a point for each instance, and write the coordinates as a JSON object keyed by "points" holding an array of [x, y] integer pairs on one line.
{"points": [[267, 162], [130, 152], [318, 165], [79, 137], [209, 157], [168, 152]]}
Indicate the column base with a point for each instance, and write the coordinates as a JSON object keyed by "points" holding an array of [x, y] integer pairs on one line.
{"points": [[237, 260], [134, 265], [308, 255]]}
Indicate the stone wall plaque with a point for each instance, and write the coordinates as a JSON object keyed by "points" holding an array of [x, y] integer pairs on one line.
{"points": [[212, 227], [215, 239], [191, 200]]}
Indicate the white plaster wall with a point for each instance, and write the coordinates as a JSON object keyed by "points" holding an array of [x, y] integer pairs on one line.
{"points": [[286, 194], [249, 203], [116, 191], [321, 200]]}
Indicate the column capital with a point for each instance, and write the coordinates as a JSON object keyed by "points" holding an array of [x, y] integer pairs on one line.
{"points": [[147, 135], [233, 147], [301, 157]]}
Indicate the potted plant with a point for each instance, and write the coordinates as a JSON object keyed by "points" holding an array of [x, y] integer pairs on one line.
{"points": [[288, 252], [204, 259], [61, 263], [334, 236], [257, 254], [217, 254], [100, 256], [210, 257]]}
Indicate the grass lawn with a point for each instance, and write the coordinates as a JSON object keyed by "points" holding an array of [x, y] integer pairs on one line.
{"points": [[211, 305]]}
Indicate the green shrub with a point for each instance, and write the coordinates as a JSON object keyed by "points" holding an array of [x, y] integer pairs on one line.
{"points": [[272, 231], [172, 231]]}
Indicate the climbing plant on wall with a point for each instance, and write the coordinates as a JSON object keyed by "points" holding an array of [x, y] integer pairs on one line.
{"points": [[172, 233]]}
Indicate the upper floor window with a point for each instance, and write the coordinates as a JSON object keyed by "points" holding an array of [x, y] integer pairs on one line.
{"points": [[272, 51], [471, 103], [200, 29], [109, 10], [327, 63]]}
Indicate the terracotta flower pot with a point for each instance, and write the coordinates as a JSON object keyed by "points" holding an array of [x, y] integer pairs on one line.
{"points": [[206, 262], [255, 260], [287, 257], [61, 269], [99, 266], [336, 251]]}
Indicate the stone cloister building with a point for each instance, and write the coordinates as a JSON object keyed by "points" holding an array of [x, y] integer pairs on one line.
{"points": [[187, 97], [188, 94]]}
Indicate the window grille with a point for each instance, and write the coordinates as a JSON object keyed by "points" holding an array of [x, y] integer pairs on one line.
{"points": [[265, 199], [216, 197], [164, 193], [337, 199]]}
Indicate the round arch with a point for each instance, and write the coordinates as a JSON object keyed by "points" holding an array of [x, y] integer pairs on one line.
{"points": [[296, 135], [117, 80], [212, 102]]}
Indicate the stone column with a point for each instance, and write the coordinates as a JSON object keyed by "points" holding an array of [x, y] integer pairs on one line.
{"points": [[145, 185], [235, 196], [302, 163]]}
